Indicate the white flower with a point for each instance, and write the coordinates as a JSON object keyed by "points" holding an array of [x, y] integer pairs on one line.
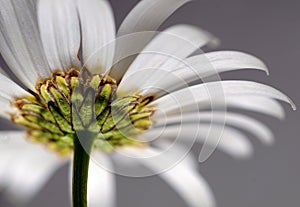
{"points": [[41, 37]]}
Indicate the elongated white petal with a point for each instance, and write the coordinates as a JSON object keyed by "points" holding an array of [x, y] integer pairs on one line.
{"points": [[190, 185], [177, 149], [60, 32], [98, 32], [101, 183], [25, 167], [227, 139], [196, 68], [257, 104], [253, 103], [216, 91], [20, 43], [246, 123], [148, 15], [183, 177], [5, 108], [9, 89], [144, 17], [204, 65], [164, 52], [176, 42]]}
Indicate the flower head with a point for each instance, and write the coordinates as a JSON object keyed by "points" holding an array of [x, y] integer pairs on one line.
{"points": [[130, 94]]}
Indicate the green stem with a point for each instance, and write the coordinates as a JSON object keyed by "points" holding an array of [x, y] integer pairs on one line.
{"points": [[80, 172]]}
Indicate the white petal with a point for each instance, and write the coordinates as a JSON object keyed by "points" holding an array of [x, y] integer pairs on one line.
{"points": [[5, 108], [25, 167], [190, 185], [20, 43], [101, 182], [217, 91], [226, 139], [183, 177], [204, 65], [144, 17], [164, 52], [253, 103], [60, 32], [257, 104], [98, 34], [148, 15], [246, 123], [195, 68], [9, 89]]}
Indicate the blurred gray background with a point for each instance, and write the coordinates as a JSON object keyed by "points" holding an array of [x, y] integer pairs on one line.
{"points": [[270, 29]]}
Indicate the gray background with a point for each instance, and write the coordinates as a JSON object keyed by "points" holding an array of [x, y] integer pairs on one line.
{"points": [[269, 29]]}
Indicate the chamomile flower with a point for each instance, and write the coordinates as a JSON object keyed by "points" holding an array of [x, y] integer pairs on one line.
{"points": [[130, 96]]}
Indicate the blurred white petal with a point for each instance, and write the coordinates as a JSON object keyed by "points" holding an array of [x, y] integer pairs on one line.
{"points": [[98, 30], [226, 139], [101, 182], [60, 32], [25, 167], [253, 126], [20, 42], [182, 177], [5, 108], [257, 104]]}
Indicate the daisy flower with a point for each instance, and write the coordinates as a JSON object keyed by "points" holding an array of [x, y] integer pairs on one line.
{"points": [[80, 90]]}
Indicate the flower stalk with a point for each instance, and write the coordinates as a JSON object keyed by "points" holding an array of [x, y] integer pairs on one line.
{"points": [[81, 162]]}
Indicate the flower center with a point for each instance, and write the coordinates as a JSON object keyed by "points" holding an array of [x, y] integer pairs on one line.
{"points": [[70, 103]]}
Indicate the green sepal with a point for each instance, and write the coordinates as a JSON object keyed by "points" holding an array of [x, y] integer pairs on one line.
{"points": [[31, 107], [86, 111], [61, 102], [102, 100], [63, 86], [63, 124]]}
